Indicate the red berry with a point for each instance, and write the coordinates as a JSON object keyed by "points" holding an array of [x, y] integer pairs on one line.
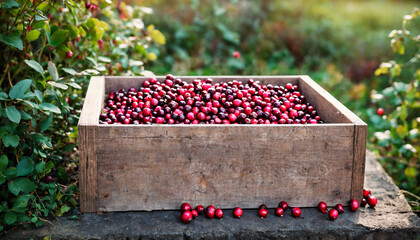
{"points": [[185, 207], [50, 16], [363, 202], [87, 5], [210, 211], [232, 117], [366, 193], [380, 111], [237, 212], [219, 213], [333, 214], [236, 54], [263, 206], [263, 213], [69, 54], [200, 209], [48, 179], [339, 208], [186, 217], [194, 213], [354, 205], [322, 206], [372, 201], [296, 212], [284, 205], [279, 212]]}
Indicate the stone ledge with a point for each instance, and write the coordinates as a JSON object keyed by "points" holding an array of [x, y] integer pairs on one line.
{"points": [[391, 219]]}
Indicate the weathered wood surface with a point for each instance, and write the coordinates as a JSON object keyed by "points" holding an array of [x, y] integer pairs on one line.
{"points": [[157, 167]]}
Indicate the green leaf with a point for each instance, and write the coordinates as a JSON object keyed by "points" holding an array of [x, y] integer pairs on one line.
{"points": [[12, 40], [9, 4], [73, 31], [4, 161], [40, 167], [91, 23], [43, 6], [24, 167], [13, 188], [32, 35], [65, 208], [157, 37], [10, 218], [45, 124], [53, 71], [13, 114], [97, 33], [38, 95], [20, 203], [10, 140], [58, 37], [36, 66], [3, 96], [70, 71], [19, 90], [49, 107], [25, 116], [2, 179], [58, 85], [11, 172], [75, 85], [25, 185]]}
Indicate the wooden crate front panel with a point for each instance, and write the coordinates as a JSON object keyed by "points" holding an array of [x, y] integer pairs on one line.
{"points": [[159, 167]]}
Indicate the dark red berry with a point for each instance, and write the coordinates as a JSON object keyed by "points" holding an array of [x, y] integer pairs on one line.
{"points": [[354, 205], [237, 212], [363, 202], [69, 54], [210, 211], [279, 212], [284, 205], [322, 206], [48, 179], [372, 201], [339, 207], [333, 214], [263, 213], [194, 213], [263, 206], [366, 193], [219, 213], [200, 209], [185, 207], [87, 5], [296, 212], [186, 217]]}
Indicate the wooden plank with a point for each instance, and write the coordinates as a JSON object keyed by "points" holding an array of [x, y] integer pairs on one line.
{"points": [[159, 167], [87, 145], [360, 138]]}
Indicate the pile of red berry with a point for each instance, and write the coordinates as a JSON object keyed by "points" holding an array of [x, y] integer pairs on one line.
{"points": [[177, 102]]}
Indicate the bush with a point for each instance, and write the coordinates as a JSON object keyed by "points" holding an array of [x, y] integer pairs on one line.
{"points": [[397, 138], [49, 51]]}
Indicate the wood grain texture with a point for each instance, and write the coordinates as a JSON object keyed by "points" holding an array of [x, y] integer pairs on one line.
{"points": [[140, 167], [87, 127]]}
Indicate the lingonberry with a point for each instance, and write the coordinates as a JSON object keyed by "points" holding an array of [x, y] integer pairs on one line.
{"points": [[354, 205], [200, 209], [284, 205], [372, 201], [69, 54], [186, 217], [296, 212], [194, 213], [236, 54], [263, 206], [219, 213], [237, 212], [333, 214], [366, 193], [380, 111], [210, 211], [363, 202], [322, 206], [279, 212]]}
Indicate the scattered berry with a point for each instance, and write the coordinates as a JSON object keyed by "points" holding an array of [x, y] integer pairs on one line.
{"points": [[186, 217], [380, 111], [339, 207], [284, 205], [279, 212], [296, 212], [322, 206], [237, 212], [333, 214], [69, 54], [263, 206], [263, 213], [185, 207], [354, 205], [210, 211], [372, 201], [236, 54], [363, 202], [194, 213], [48, 179], [200, 209], [366, 193], [219, 213]]}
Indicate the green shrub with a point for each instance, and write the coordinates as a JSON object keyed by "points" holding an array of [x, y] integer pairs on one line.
{"points": [[397, 137], [49, 51]]}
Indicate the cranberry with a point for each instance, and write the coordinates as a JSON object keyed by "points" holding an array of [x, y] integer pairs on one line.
{"points": [[279, 212], [185, 207], [48, 179], [372, 201], [380, 111], [263, 213], [284, 205], [263, 206], [194, 213], [200, 209], [333, 214], [69, 54], [237, 212], [87, 5], [219, 213], [236, 54], [322, 206], [363, 202], [296, 212], [186, 217], [354, 205], [366, 193], [210, 211], [339, 207]]}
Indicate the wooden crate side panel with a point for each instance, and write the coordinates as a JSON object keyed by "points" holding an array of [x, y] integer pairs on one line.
{"points": [[88, 121], [147, 167], [360, 138], [116, 83]]}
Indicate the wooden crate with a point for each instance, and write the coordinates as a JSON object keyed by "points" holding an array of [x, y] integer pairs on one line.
{"points": [[154, 167]]}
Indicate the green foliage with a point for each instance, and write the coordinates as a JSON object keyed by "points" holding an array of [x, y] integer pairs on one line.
{"points": [[397, 137], [49, 51]]}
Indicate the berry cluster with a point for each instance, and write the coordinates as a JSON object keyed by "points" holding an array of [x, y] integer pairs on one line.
{"points": [[353, 205], [177, 102]]}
